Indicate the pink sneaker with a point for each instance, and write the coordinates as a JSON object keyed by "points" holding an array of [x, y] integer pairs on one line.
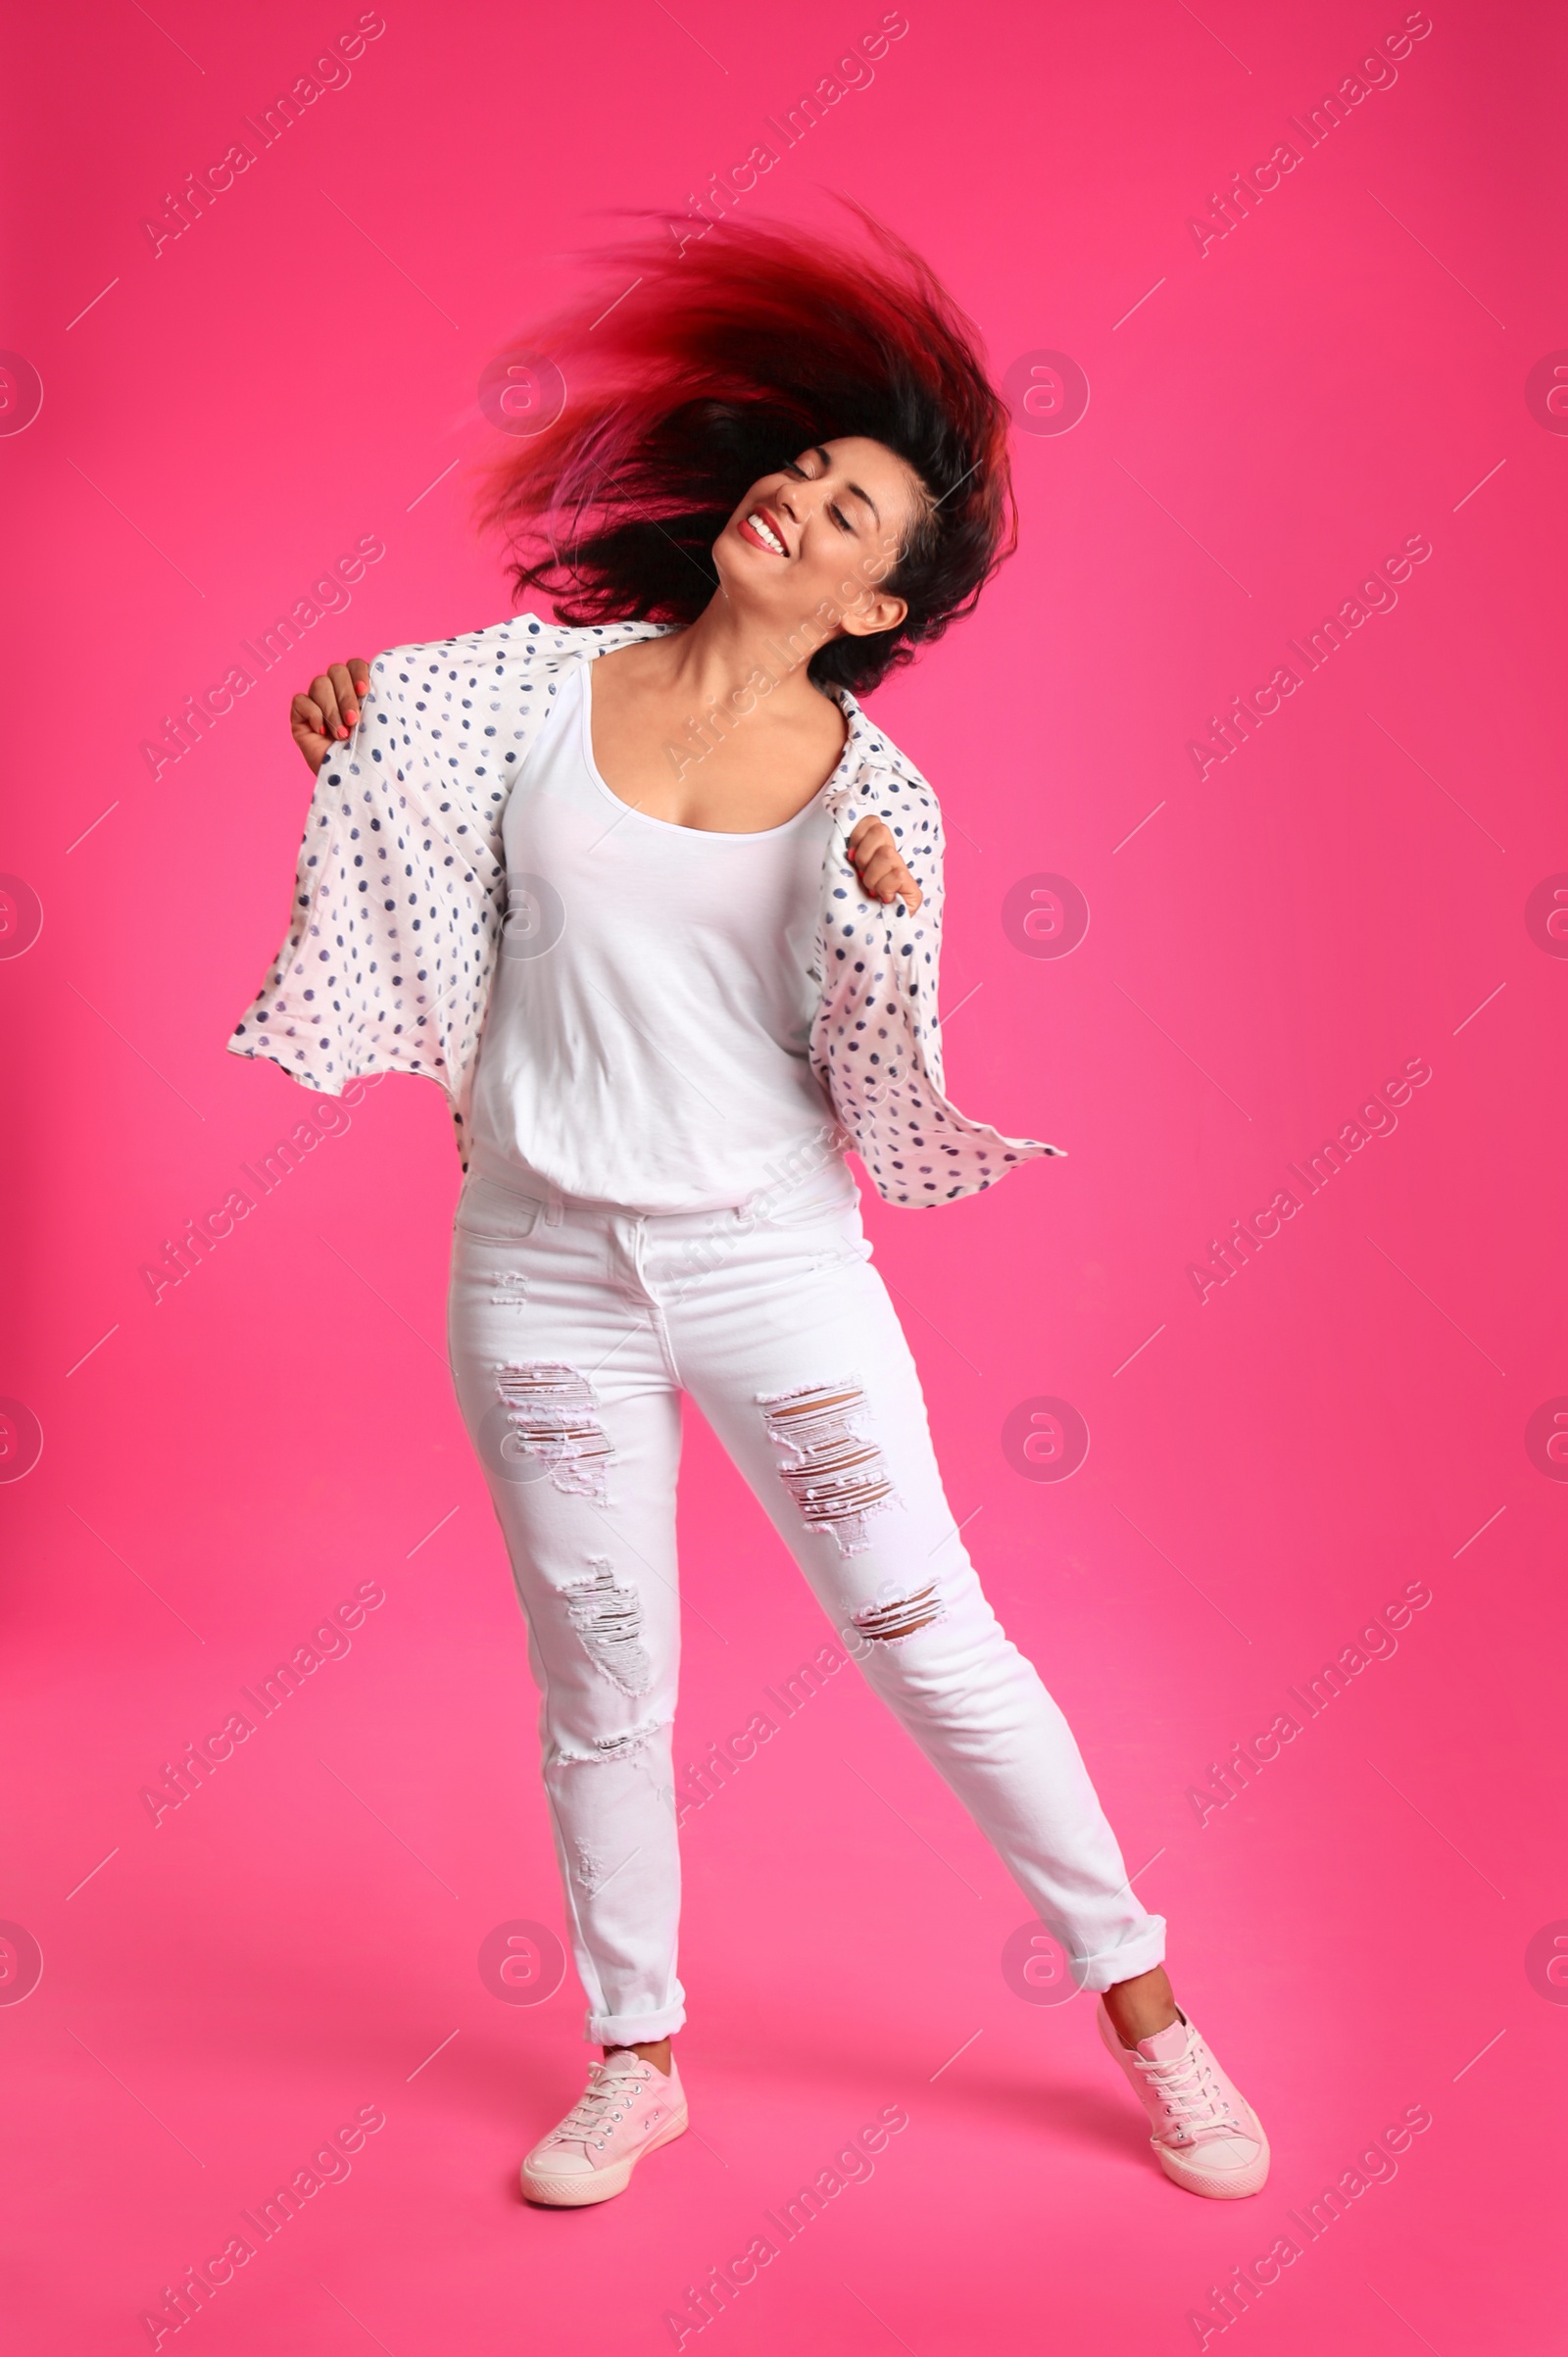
{"points": [[1206, 2136], [629, 2108]]}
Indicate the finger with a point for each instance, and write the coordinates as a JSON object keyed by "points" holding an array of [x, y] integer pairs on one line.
{"points": [[324, 694], [359, 673], [343, 688], [875, 857], [868, 836], [890, 880], [306, 722]]}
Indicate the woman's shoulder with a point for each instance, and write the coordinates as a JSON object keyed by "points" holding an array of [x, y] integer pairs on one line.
{"points": [[886, 780], [521, 642]]}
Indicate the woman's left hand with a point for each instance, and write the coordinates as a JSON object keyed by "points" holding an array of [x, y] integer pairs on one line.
{"points": [[879, 866]]}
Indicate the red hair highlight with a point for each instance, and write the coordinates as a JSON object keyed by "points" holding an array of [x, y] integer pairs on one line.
{"points": [[704, 361]]}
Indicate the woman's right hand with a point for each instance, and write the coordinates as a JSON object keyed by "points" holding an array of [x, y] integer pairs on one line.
{"points": [[325, 715]]}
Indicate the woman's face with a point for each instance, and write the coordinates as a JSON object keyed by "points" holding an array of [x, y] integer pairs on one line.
{"points": [[814, 541]]}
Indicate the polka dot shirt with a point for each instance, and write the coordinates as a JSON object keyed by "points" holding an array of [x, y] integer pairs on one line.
{"points": [[400, 892]]}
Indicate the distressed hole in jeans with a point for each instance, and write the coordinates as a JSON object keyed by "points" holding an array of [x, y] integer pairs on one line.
{"points": [[613, 1746], [610, 1620], [835, 1475], [901, 1615], [511, 1289], [552, 1417], [590, 1869]]}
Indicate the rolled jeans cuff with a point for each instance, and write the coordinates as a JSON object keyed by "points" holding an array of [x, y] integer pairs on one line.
{"points": [[1140, 1955], [634, 2029]]}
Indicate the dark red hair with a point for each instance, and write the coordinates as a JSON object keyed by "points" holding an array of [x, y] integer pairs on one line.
{"points": [[737, 349]]}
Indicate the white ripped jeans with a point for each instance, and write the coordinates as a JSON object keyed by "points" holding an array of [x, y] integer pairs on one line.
{"points": [[575, 1328]]}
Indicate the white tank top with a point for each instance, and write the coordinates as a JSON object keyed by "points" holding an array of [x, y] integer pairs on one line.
{"points": [[646, 1042]]}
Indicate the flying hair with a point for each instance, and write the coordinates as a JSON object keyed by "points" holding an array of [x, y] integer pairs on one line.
{"points": [[735, 351]]}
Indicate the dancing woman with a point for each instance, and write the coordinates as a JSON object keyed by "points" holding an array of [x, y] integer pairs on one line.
{"points": [[659, 906]]}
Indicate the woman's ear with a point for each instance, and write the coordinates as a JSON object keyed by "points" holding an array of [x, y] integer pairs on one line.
{"points": [[867, 608], [874, 609]]}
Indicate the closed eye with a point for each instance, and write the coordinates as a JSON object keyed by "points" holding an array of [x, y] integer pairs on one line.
{"points": [[792, 466]]}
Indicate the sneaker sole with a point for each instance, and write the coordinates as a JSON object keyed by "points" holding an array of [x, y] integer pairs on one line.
{"points": [[597, 2185], [1215, 2184]]}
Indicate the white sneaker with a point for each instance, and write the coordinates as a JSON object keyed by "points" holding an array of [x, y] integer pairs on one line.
{"points": [[629, 2108], [1206, 2136]]}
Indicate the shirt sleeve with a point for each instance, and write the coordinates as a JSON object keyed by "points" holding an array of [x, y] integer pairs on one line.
{"points": [[399, 894], [918, 935], [876, 1043]]}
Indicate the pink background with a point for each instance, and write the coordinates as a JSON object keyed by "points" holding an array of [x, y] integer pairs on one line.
{"points": [[1347, 1415]]}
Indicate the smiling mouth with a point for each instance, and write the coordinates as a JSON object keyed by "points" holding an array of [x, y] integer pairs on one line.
{"points": [[755, 526]]}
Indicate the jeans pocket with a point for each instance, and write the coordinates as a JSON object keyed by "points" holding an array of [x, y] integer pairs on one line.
{"points": [[491, 1213], [814, 1200]]}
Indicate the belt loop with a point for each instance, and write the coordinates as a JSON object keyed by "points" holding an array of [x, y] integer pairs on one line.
{"points": [[554, 1203]]}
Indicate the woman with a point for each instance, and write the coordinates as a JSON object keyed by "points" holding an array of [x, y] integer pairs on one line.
{"points": [[659, 906]]}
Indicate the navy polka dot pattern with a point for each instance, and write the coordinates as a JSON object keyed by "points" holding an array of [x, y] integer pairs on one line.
{"points": [[400, 892]]}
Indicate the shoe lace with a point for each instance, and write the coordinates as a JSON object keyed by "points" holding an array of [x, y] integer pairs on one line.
{"points": [[600, 2105], [1193, 2099]]}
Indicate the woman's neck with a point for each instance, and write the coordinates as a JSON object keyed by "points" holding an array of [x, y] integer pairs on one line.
{"points": [[722, 650]]}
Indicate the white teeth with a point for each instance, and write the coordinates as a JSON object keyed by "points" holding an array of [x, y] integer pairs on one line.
{"points": [[765, 533]]}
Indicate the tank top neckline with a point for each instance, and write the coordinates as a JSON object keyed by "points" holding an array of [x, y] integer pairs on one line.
{"points": [[671, 826]]}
